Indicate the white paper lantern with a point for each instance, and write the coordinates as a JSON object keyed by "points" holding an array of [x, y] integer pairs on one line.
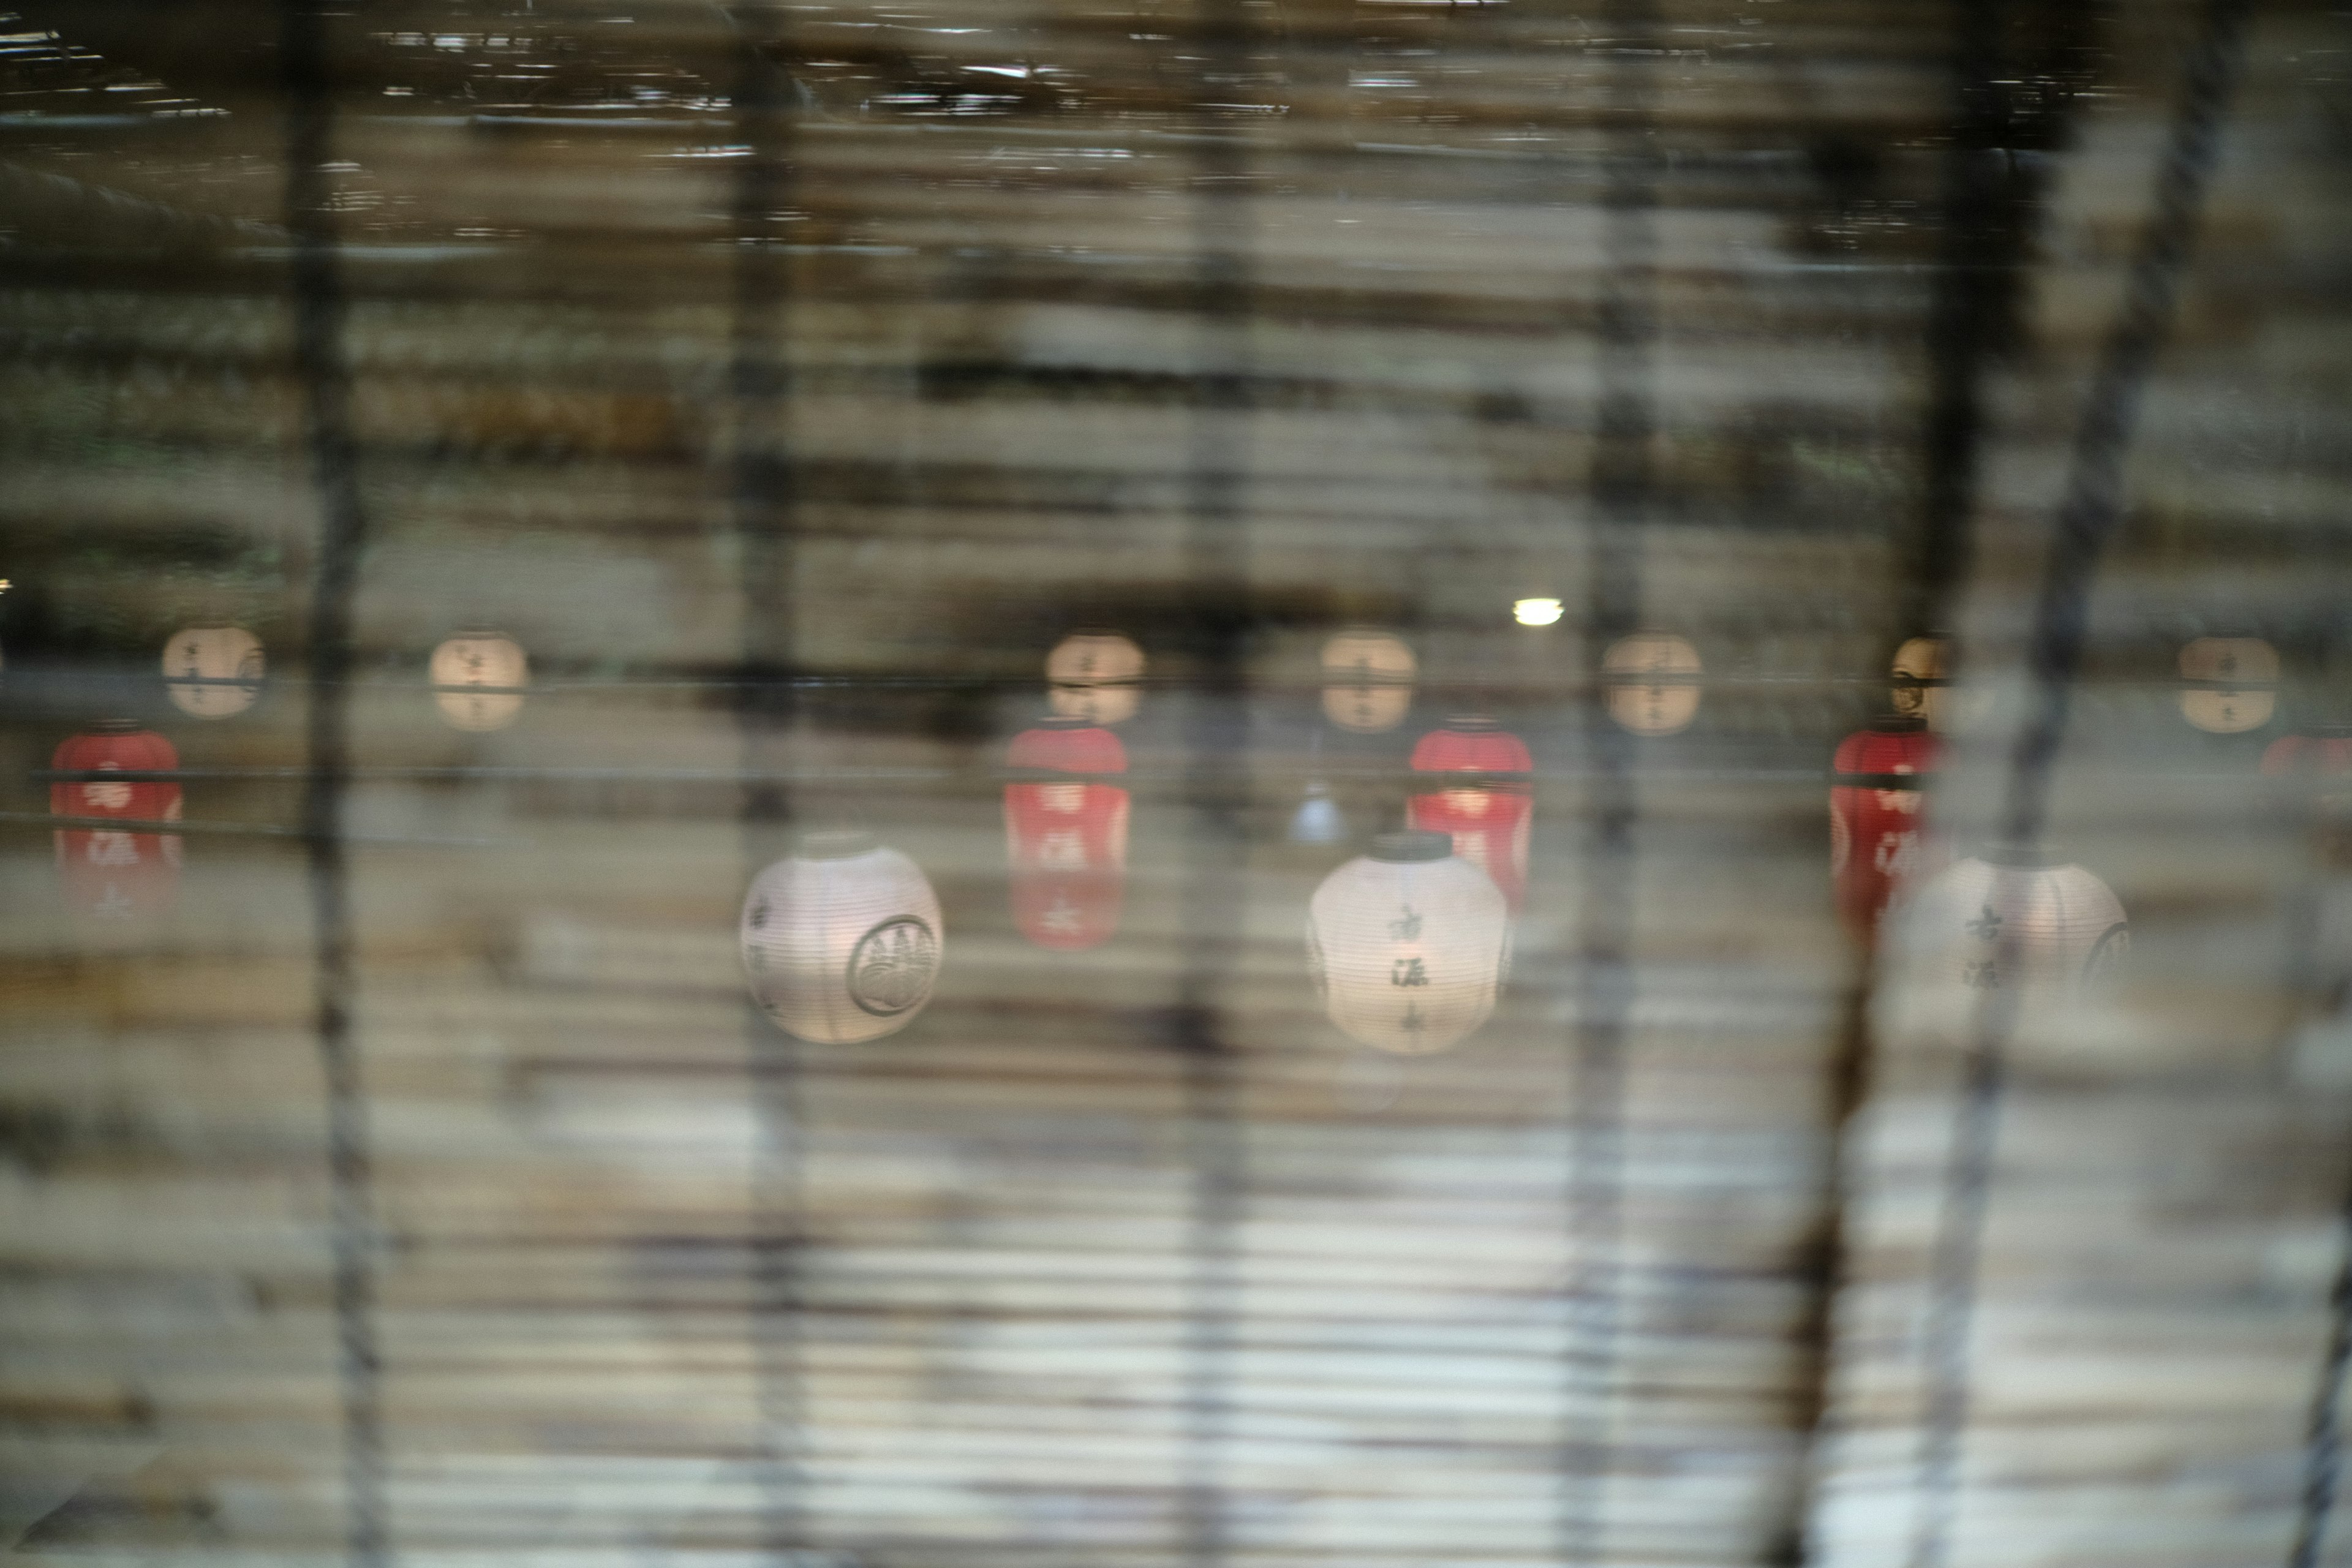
{"points": [[1409, 945], [1663, 708], [2217, 704], [209, 654], [842, 940], [476, 680], [2013, 920], [1093, 677], [1367, 680]]}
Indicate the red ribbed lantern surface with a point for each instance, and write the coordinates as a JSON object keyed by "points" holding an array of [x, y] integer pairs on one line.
{"points": [[113, 874], [1066, 842], [2324, 755], [1875, 843], [1490, 819]]}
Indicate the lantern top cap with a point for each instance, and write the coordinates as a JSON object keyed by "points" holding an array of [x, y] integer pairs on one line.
{"points": [[1408, 844], [479, 632], [1062, 721], [1897, 724], [834, 845], [116, 726], [2020, 857], [1475, 722]]}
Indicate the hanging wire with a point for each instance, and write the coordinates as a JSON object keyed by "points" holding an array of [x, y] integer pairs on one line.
{"points": [[2087, 517], [318, 324], [1625, 424]]}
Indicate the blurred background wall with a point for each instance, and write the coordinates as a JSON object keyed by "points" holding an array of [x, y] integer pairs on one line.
{"points": [[1833, 507]]}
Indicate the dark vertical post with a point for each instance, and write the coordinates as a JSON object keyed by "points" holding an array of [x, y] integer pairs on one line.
{"points": [[319, 316], [2086, 518], [1621, 482], [762, 498]]}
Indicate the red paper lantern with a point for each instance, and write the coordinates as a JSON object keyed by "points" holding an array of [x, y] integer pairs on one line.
{"points": [[1065, 841], [1490, 818], [114, 875], [1876, 846], [2318, 763], [2326, 756]]}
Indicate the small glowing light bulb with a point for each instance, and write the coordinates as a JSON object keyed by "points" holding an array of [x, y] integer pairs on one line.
{"points": [[1536, 612]]}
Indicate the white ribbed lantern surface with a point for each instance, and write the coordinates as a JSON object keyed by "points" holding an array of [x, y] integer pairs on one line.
{"points": [[477, 680], [201, 656], [1409, 944], [2014, 920], [842, 940]]}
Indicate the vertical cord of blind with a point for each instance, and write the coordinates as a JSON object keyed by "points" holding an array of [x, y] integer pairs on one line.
{"points": [[1626, 330], [761, 497], [319, 324], [1977, 253], [1213, 892], [2087, 517]]}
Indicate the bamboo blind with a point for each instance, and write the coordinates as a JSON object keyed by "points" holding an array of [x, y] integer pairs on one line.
{"points": [[423, 1186]]}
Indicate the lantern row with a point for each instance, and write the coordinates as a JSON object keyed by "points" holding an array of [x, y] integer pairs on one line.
{"points": [[477, 678], [1409, 944], [1653, 681]]}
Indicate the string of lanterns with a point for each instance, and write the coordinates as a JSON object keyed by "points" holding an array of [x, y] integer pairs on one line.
{"points": [[843, 939]]}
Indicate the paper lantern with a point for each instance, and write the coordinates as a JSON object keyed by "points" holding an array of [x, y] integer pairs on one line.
{"points": [[2323, 756], [1647, 707], [2014, 918], [1920, 668], [1874, 830], [1367, 681], [115, 876], [1490, 817], [1093, 677], [1065, 840], [209, 654], [842, 940], [2321, 763], [478, 679], [2233, 684], [1409, 945]]}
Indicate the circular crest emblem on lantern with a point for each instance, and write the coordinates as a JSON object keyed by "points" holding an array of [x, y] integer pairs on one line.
{"points": [[1663, 706], [214, 671], [892, 967], [2230, 684], [478, 681], [1367, 680], [841, 939], [1093, 677]]}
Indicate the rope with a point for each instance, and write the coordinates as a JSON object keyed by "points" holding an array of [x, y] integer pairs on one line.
{"points": [[2086, 518], [1621, 484], [319, 311]]}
